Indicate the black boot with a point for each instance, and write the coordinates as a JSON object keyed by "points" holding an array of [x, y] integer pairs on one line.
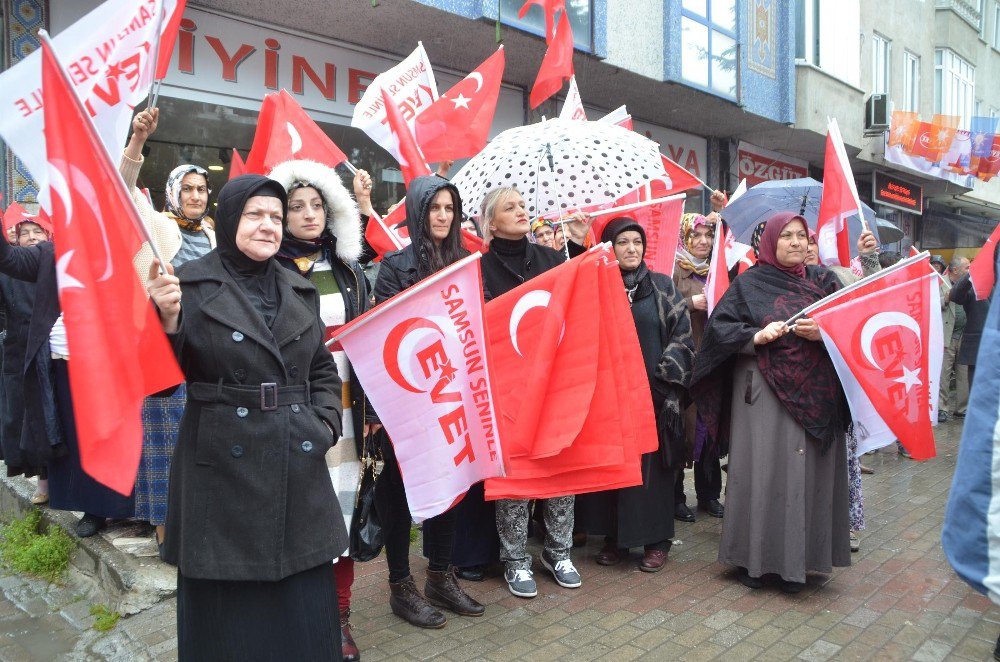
{"points": [[407, 603], [442, 590]]}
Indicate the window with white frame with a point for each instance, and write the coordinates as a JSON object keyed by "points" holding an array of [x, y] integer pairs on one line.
{"points": [[954, 86], [911, 82], [996, 24], [708, 45], [880, 64]]}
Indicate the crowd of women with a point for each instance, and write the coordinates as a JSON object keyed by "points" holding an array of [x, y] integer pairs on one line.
{"points": [[249, 470]]}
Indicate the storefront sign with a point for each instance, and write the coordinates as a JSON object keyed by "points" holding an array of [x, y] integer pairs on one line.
{"points": [[896, 193], [757, 165], [233, 61], [684, 149]]}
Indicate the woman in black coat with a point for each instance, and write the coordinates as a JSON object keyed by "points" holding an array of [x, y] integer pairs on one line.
{"points": [[253, 523], [433, 213], [643, 516], [49, 428]]}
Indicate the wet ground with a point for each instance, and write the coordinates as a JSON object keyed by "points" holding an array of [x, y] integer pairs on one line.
{"points": [[899, 600]]}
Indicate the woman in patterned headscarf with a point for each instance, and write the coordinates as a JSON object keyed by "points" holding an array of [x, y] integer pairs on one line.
{"points": [[694, 254]]}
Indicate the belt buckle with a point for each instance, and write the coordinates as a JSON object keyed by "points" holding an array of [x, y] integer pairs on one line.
{"points": [[269, 396]]}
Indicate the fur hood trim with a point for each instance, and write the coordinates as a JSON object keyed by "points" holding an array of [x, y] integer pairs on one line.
{"points": [[342, 216]]}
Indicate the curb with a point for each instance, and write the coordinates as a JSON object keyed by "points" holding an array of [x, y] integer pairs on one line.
{"points": [[104, 571]]}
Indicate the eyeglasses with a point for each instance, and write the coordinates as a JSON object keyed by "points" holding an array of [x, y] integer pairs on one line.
{"points": [[204, 190]]}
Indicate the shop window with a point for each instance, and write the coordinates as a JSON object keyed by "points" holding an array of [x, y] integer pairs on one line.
{"points": [[708, 45], [205, 134], [580, 20], [911, 82], [880, 64], [954, 86]]}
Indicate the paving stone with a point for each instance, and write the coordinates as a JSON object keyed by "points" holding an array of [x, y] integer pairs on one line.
{"points": [[819, 651]]}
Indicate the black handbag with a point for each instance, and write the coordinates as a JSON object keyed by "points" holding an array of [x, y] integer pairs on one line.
{"points": [[366, 530]]}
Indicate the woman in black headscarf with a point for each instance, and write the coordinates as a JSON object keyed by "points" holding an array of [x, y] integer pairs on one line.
{"points": [[787, 495], [643, 516], [433, 218], [253, 522]]}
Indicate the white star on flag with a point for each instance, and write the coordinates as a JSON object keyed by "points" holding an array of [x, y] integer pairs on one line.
{"points": [[909, 379], [461, 101]]}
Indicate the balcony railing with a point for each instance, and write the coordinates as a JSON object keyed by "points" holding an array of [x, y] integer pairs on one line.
{"points": [[968, 11]]}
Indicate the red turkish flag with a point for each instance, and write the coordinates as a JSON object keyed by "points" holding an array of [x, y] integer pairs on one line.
{"points": [[838, 202], [168, 37], [661, 222], [718, 270], [411, 161], [884, 336], [120, 354], [550, 7], [981, 271], [613, 425], [457, 125], [675, 180], [286, 132], [557, 65], [236, 166]]}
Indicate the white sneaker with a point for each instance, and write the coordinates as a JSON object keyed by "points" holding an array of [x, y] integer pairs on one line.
{"points": [[521, 583], [564, 572]]}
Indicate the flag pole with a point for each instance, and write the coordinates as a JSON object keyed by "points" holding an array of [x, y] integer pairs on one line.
{"points": [[853, 286], [143, 230], [154, 87], [621, 209]]}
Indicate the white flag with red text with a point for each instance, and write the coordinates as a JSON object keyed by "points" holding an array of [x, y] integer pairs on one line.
{"points": [[422, 359], [109, 56], [884, 335], [573, 105], [410, 85]]}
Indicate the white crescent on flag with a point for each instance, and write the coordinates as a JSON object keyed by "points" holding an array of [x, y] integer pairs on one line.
{"points": [[533, 299], [880, 321], [296, 139]]}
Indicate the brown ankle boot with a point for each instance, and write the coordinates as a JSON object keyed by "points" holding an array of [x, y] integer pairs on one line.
{"points": [[442, 590], [348, 649], [407, 603]]}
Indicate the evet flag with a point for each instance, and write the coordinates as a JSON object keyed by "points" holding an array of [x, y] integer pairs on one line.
{"points": [[109, 57], [885, 338], [410, 84], [422, 359]]}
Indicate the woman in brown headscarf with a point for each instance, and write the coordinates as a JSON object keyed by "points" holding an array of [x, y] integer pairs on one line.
{"points": [[787, 493]]}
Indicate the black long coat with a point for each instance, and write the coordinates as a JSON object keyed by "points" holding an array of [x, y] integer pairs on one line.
{"points": [[42, 436], [975, 319], [250, 496], [17, 300]]}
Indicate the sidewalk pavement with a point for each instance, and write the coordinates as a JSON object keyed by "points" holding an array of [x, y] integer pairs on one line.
{"points": [[899, 600]]}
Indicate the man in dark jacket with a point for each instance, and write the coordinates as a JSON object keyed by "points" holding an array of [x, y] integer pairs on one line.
{"points": [[975, 318]]}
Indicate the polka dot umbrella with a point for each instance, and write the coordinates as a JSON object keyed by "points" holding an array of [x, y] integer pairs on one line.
{"points": [[561, 164]]}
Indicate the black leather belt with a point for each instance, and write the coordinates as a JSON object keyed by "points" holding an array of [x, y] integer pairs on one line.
{"points": [[266, 397]]}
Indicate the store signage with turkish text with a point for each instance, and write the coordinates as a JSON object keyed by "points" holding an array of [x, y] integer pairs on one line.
{"points": [[897, 193], [757, 165]]}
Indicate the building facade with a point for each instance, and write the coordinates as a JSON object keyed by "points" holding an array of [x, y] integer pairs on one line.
{"points": [[694, 74]]}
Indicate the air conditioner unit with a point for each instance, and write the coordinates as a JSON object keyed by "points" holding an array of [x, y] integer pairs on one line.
{"points": [[877, 114]]}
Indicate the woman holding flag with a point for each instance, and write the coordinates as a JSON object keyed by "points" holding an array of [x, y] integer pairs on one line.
{"points": [[253, 522], [511, 261], [181, 235], [433, 213], [643, 516], [321, 242], [787, 492]]}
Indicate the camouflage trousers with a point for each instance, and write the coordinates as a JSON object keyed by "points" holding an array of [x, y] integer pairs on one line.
{"points": [[512, 527]]}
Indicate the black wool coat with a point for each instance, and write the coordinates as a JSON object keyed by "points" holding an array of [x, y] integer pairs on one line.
{"points": [[250, 496], [975, 319]]}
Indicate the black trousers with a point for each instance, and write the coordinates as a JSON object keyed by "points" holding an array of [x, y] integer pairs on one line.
{"points": [[394, 513], [707, 481]]}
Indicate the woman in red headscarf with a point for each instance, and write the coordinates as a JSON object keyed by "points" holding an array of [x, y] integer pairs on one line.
{"points": [[786, 493]]}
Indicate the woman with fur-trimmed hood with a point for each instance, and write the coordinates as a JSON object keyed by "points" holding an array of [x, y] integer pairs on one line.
{"points": [[322, 243]]}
